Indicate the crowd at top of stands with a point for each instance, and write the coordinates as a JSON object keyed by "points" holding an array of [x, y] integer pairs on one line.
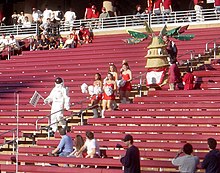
{"points": [[68, 17]]}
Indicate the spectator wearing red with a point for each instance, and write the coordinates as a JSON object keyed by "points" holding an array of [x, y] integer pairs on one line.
{"points": [[167, 8], [84, 35], [95, 12], [125, 90], [173, 75], [149, 6], [88, 12], [217, 6], [188, 80], [157, 7]]}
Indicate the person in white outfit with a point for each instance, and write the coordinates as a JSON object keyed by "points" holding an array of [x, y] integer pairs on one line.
{"points": [[60, 101]]}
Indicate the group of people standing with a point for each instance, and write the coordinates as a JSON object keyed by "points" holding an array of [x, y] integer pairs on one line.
{"points": [[106, 91]]}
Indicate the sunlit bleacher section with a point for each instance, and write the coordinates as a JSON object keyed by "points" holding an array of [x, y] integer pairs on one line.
{"points": [[160, 121]]}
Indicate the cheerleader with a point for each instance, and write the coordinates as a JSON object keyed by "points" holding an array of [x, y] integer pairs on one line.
{"points": [[96, 95], [126, 88], [113, 70], [109, 93]]}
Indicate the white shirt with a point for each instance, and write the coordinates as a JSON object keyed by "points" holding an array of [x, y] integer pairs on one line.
{"points": [[21, 19], [26, 24], [4, 41], [36, 15], [186, 163], [47, 14], [13, 42], [90, 145], [70, 16]]}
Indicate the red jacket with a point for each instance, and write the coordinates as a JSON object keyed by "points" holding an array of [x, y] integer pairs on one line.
{"points": [[188, 78]]}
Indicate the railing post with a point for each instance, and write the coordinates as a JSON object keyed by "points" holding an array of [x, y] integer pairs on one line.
{"points": [[175, 17], [140, 84], [206, 47], [214, 49], [125, 23], [17, 29], [149, 19]]}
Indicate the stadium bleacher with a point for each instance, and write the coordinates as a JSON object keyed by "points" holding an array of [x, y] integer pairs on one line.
{"points": [[161, 122]]}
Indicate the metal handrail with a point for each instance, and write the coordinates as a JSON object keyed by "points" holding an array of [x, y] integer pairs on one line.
{"points": [[14, 131], [140, 77], [191, 52], [214, 46], [48, 116], [66, 118]]}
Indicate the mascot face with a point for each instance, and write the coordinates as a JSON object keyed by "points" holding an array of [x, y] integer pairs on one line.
{"points": [[58, 82]]}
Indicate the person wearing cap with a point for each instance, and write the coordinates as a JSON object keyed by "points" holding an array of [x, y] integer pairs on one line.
{"points": [[186, 163], [131, 160], [60, 101]]}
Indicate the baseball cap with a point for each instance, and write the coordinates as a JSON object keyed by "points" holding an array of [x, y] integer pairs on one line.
{"points": [[127, 137]]}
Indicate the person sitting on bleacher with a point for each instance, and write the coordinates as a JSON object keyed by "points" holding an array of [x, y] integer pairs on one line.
{"points": [[91, 145], [35, 43], [188, 80], [14, 45], [3, 42], [69, 43], [52, 43], [84, 35], [65, 146], [44, 43], [187, 163], [78, 142]]}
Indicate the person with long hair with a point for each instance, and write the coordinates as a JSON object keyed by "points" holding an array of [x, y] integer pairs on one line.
{"points": [[125, 90], [91, 145], [109, 93], [79, 142], [113, 70]]}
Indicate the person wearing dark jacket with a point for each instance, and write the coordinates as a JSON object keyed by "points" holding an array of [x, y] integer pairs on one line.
{"points": [[131, 160], [211, 162]]}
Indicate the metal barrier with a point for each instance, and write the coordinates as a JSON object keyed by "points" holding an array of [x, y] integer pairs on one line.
{"points": [[112, 23], [214, 48], [48, 116], [13, 141]]}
